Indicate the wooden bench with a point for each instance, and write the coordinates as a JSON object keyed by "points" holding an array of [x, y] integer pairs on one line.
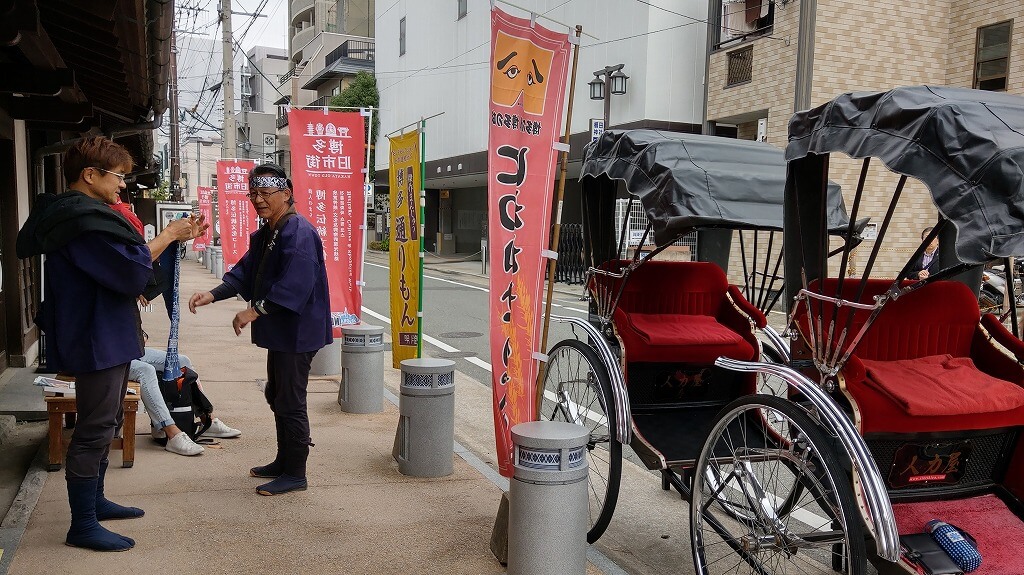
{"points": [[61, 412]]}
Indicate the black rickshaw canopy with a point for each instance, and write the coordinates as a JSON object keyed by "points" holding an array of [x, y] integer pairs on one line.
{"points": [[966, 146], [690, 181]]}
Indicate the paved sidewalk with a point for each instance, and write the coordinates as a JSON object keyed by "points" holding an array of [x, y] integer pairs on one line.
{"points": [[360, 515]]}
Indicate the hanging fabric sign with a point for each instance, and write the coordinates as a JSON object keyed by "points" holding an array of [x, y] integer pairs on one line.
{"points": [[328, 157], [528, 84], [404, 245], [205, 209], [236, 218]]}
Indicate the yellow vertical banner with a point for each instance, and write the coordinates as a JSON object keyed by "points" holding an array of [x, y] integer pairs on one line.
{"points": [[404, 245]]}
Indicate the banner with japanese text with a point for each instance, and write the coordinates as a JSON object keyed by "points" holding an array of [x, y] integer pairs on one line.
{"points": [[404, 246], [205, 209], [528, 83], [328, 156], [236, 218]]}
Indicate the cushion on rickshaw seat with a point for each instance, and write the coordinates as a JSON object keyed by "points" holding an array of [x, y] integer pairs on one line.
{"points": [[679, 338], [678, 312], [939, 385], [662, 329]]}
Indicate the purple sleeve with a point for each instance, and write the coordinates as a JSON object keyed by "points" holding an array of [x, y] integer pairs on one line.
{"points": [[115, 265]]}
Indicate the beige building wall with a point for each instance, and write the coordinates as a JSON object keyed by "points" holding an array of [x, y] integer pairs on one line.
{"points": [[869, 45], [969, 15]]}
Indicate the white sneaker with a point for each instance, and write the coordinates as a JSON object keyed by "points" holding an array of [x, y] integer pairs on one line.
{"points": [[157, 433], [182, 444], [221, 431]]}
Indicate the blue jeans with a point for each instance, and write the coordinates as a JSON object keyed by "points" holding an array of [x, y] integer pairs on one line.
{"points": [[147, 370]]}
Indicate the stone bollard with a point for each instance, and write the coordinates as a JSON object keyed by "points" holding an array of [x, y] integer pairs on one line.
{"points": [[218, 262], [425, 440], [327, 361], [548, 499], [362, 369]]}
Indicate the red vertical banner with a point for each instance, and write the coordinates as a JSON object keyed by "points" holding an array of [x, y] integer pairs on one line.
{"points": [[205, 209], [236, 217], [328, 160], [528, 83]]}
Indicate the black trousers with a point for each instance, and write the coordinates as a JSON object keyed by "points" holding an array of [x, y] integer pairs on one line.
{"points": [[287, 379], [99, 399]]}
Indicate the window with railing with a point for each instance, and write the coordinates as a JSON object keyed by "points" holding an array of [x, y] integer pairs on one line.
{"points": [[741, 66], [354, 49], [991, 56], [744, 19]]}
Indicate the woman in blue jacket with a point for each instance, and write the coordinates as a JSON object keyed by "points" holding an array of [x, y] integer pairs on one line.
{"points": [[283, 277]]}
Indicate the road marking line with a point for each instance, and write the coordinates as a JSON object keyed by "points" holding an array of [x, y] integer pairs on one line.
{"points": [[435, 342], [478, 288]]}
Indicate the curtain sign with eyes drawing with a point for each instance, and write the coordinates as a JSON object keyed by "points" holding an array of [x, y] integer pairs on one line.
{"points": [[328, 156], [405, 246], [236, 218], [205, 194], [528, 84]]}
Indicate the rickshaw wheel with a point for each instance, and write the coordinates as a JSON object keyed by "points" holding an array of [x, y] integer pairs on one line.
{"points": [[577, 389], [767, 383], [772, 498]]}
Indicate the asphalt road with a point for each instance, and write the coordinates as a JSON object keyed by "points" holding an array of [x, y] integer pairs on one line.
{"points": [[455, 314]]}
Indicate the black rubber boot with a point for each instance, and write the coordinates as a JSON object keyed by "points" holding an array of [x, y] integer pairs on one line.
{"points": [[106, 509], [275, 467], [86, 530]]}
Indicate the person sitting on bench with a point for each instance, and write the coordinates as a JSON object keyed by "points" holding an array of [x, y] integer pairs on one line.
{"points": [[146, 370]]}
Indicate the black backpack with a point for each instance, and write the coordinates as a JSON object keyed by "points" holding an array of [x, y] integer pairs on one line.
{"points": [[190, 409]]}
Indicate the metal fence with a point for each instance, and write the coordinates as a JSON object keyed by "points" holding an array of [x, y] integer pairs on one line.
{"points": [[570, 267], [636, 222]]}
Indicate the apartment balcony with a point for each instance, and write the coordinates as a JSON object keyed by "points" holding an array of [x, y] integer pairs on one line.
{"points": [[300, 10], [303, 37], [282, 120]]}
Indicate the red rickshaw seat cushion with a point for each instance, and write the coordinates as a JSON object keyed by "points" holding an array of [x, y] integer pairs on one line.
{"points": [[900, 376], [938, 385], [678, 312]]}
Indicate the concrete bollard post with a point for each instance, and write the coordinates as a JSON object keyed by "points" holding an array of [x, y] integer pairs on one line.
{"points": [[362, 369], [548, 499], [424, 442], [218, 262], [327, 361]]}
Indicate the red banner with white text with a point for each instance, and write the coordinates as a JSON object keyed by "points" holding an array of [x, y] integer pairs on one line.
{"points": [[328, 157], [528, 84], [205, 209], [236, 218]]}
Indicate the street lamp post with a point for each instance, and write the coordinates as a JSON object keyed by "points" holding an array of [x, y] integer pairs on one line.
{"points": [[613, 82]]}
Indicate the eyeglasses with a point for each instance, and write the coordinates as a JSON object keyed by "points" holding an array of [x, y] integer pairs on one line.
{"points": [[263, 195], [119, 176]]}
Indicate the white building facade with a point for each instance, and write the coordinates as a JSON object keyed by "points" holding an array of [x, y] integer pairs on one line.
{"points": [[433, 58]]}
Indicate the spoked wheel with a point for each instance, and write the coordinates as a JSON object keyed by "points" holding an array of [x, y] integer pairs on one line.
{"points": [[768, 384], [577, 389], [773, 498]]}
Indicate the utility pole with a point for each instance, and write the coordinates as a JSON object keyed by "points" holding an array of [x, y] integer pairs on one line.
{"points": [[175, 186], [227, 85]]}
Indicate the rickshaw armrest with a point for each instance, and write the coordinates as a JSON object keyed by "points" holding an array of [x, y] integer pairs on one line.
{"points": [[1002, 336], [854, 370], [747, 308]]}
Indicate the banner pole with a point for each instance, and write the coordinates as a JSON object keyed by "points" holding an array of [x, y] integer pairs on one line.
{"points": [[423, 203], [367, 195], [552, 262]]}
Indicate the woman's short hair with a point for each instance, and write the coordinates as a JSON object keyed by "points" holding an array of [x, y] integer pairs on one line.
{"points": [[95, 152]]}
